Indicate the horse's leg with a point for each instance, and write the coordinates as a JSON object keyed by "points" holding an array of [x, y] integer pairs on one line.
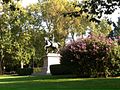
{"points": [[46, 49], [54, 47], [57, 48]]}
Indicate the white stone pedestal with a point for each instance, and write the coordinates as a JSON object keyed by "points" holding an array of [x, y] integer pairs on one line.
{"points": [[53, 58], [50, 59]]}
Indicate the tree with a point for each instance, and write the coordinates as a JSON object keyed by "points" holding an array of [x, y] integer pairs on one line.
{"points": [[5, 44], [23, 49], [37, 35], [52, 18], [15, 34], [5, 40], [38, 43], [102, 28], [58, 22], [95, 9]]}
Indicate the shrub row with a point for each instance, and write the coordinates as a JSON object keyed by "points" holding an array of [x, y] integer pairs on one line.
{"points": [[59, 69], [27, 71]]}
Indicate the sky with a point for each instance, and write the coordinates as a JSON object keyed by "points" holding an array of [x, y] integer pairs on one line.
{"points": [[115, 15], [27, 2]]}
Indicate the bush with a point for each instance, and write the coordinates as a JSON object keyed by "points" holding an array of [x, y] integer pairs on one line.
{"points": [[24, 71], [114, 66], [27, 71], [37, 70], [59, 69], [93, 56]]}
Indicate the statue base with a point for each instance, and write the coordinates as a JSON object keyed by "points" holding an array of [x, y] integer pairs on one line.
{"points": [[53, 58], [49, 59]]}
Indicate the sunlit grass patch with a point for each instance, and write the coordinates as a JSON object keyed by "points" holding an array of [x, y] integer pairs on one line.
{"points": [[57, 83]]}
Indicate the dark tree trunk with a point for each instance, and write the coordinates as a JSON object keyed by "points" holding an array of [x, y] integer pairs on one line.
{"points": [[1, 68]]}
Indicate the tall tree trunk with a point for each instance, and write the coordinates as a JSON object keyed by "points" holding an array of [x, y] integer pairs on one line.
{"points": [[1, 61], [22, 64], [1, 70]]}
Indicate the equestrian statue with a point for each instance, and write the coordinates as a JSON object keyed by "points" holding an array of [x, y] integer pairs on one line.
{"points": [[51, 45]]}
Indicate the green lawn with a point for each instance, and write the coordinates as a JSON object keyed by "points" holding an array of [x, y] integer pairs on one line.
{"points": [[57, 83]]}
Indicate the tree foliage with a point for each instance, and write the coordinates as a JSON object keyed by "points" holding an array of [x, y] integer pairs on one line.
{"points": [[54, 15], [95, 9], [16, 34]]}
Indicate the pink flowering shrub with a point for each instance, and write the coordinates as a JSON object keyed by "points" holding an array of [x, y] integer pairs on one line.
{"points": [[92, 56]]}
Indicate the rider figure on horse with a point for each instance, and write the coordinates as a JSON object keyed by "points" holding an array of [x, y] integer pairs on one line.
{"points": [[51, 45]]}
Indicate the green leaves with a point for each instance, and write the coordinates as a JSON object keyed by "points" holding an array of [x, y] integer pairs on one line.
{"points": [[15, 35]]}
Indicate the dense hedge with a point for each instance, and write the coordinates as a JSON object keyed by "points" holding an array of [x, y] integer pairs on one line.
{"points": [[59, 69], [24, 71], [27, 71], [96, 56]]}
